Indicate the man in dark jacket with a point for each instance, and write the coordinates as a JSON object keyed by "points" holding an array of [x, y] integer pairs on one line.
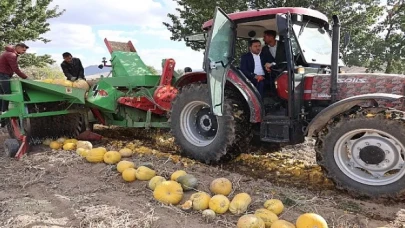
{"points": [[273, 53], [253, 68], [9, 66], [72, 67]]}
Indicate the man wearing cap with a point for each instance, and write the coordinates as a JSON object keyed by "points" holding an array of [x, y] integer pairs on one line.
{"points": [[9, 66], [72, 67]]}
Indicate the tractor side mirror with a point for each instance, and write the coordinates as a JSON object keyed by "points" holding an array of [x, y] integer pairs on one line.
{"points": [[327, 27], [100, 66], [346, 40]]}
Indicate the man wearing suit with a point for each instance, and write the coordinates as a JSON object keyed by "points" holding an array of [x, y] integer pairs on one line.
{"points": [[252, 67], [273, 52]]}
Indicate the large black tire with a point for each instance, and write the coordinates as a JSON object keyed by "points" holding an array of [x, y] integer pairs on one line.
{"points": [[377, 144], [221, 138]]}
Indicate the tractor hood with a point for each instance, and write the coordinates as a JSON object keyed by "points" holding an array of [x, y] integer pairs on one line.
{"points": [[352, 84]]}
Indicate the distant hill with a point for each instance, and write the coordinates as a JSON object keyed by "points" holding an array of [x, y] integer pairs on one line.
{"points": [[93, 69]]}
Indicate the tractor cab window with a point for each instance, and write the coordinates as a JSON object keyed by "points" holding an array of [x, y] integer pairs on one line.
{"points": [[222, 37], [315, 42]]}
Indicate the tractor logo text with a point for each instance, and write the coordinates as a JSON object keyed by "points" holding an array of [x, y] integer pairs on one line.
{"points": [[352, 80]]}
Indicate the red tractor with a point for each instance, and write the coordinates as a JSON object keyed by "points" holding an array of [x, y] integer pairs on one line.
{"points": [[357, 118]]}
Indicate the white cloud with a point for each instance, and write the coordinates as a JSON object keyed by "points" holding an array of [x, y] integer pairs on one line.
{"points": [[67, 35], [122, 12], [161, 33], [117, 35], [184, 57]]}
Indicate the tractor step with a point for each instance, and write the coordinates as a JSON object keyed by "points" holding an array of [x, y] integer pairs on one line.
{"points": [[275, 129]]}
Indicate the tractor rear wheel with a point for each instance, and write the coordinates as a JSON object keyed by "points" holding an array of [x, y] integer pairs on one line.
{"points": [[204, 136], [365, 155]]}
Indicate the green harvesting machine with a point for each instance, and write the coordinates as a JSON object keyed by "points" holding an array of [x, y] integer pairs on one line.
{"points": [[130, 96]]}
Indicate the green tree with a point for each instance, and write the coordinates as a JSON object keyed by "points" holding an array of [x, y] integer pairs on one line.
{"points": [[31, 59], [388, 53], [26, 20], [357, 18], [44, 72]]}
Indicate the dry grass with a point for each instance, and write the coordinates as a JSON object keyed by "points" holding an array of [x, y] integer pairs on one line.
{"points": [[104, 216]]}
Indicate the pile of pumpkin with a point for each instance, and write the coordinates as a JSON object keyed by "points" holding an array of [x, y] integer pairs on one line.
{"points": [[171, 192], [80, 83]]}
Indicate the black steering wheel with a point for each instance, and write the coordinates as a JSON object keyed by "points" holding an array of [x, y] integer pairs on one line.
{"points": [[279, 71]]}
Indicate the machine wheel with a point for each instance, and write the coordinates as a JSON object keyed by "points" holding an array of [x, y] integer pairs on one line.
{"points": [[201, 135], [11, 147], [365, 155]]}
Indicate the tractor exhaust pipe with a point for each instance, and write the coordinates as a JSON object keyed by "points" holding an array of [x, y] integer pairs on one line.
{"points": [[335, 57]]}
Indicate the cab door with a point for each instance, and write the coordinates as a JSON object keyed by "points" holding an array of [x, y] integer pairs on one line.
{"points": [[218, 57]]}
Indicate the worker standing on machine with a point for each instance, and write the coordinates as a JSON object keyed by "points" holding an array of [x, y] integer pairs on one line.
{"points": [[9, 66], [72, 67]]}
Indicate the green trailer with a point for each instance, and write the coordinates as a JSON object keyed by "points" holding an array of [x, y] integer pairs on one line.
{"points": [[130, 96]]}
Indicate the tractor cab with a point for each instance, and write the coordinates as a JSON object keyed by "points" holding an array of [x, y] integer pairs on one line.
{"points": [[309, 40]]}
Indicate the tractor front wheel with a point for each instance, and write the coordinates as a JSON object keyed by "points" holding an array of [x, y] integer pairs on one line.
{"points": [[200, 134], [365, 155]]}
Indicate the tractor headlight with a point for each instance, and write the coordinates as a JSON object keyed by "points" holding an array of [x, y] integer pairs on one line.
{"points": [[300, 70]]}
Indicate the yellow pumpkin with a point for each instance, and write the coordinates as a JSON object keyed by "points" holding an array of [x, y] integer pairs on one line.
{"points": [[55, 145], [200, 200], [240, 203], [70, 141], [155, 181], [47, 142], [219, 204], [250, 221], [282, 224], [122, 165], [144, 173], [168, 192], [48, 80], [129, 175], [96, 155], [221, 186], [84, 144], [186, 206], [274, 205], [177, 174], [208, 215], [61, 140], [67, 83], [82, 152], [311, 220], [58, 81], [69, 146], [126, 152], [267, 216], [112, 157], [81, 84]]}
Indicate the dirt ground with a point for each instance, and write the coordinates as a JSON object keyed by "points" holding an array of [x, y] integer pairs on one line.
{"points": [[60, 189]]}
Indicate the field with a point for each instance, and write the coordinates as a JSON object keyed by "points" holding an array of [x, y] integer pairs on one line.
{"points": [[60, 189]]}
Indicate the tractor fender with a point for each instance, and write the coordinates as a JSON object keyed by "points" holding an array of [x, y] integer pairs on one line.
{"points": [[241, 83], [192, 77], [341, 106]]}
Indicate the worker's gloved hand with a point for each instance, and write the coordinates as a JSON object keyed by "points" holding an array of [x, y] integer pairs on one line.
{"points": [[73, 79]]}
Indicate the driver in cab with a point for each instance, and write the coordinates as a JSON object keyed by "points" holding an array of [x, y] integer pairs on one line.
{"points": [[273, 56]]}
